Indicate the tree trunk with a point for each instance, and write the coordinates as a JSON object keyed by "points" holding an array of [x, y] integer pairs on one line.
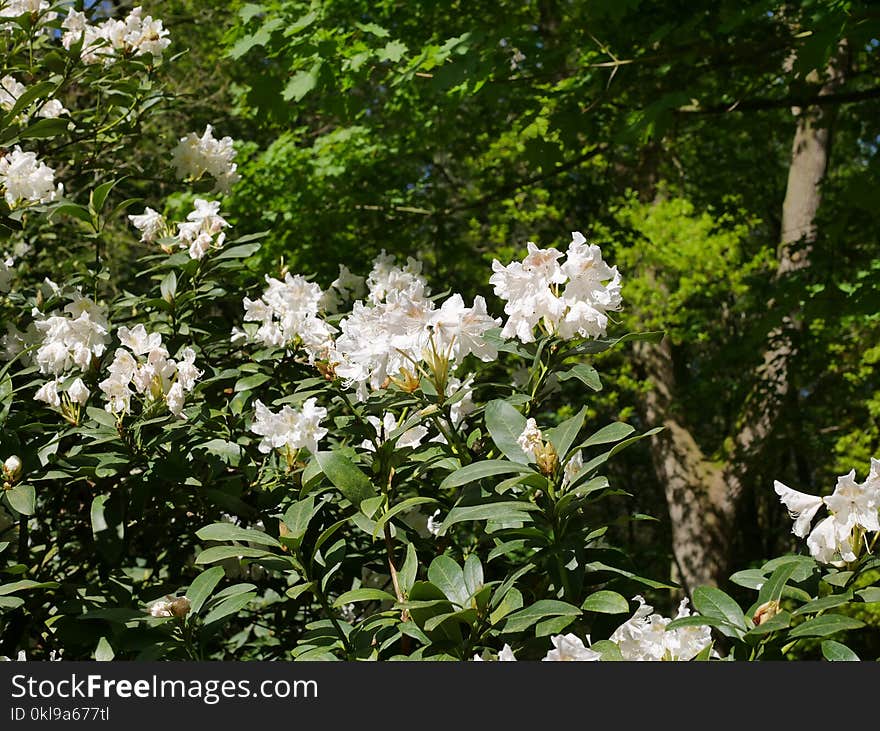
{"points": [[703, 496]]}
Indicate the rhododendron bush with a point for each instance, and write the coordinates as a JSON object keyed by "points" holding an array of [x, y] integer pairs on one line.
{"points": [[204, 460]]}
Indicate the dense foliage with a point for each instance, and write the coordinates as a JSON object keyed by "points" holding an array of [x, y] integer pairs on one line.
{"points": [[246, 412]]}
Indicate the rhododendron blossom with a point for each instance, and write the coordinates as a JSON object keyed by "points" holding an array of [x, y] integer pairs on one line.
{"points": [[290, 428], [196, 156], [25, 178], [569, 299], [645, 637], [853, 512]]}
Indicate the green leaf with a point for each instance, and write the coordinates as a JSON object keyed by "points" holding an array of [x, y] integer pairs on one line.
{"points": [[346, 477], [230, 532], [771, 591], [473, 574], [825, 602], [202, 586], [298, 516], [22, 498], [599, 566], [824, 625], [749, 578], [363, 595], [447, 575], [502, 512], [505, 424], [301, 83], [26, 585], [401, 507], [697, 620], [586, 374], [229, 606], [712, 602], [563, 436], [606, 602], [250, 382], [99, 195], [525, 618], [871, 594], [44, 128], [393, 51], [838, 652], [242, 251], [408, 571], [611, 433], [103, 652], [609, 651], [479, 470], [221, 553]]}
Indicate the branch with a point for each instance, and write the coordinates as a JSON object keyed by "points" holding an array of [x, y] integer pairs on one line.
{"points": [[505, 190], [846, 97]]}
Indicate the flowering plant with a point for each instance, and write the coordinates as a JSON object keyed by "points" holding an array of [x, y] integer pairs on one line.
{"points": [[202, 462]]}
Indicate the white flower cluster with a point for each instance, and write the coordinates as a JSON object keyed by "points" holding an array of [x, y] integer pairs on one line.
{"points": [[288, 316], [11, 89], [145, 364], [68, 341], [569, 299], [398, 326], [195, 156], [505, 655], [17, 8], [200, 233], [385, 337], [852, 514], [386, 427], [24, 178], [72, 339], [290, 429], [135, 35], [644, 636], [570, 648]]}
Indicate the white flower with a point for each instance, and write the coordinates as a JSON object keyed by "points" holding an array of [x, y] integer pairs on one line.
{"points": [[570, 648], [459, 330], [136, 34], [51, 109], [150, 223], [187, 373], [290, 428], [22, 656], [10, 90], [24, 178], [384, 428], [531, 440], [506, 654], [138, 341], [533, 291], [574, 465], [12, 467], [72, 339], [801, 507], [433, 526], [77, 392], [829, 544], [174, 399], [195, 156], [644, 636], [160, 608], [855, 504], [48, 393]]}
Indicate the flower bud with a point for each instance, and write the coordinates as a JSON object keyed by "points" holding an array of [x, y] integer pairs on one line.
{"points": [[546, 459], [12, 468], [765, 612], [180, 607]]}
